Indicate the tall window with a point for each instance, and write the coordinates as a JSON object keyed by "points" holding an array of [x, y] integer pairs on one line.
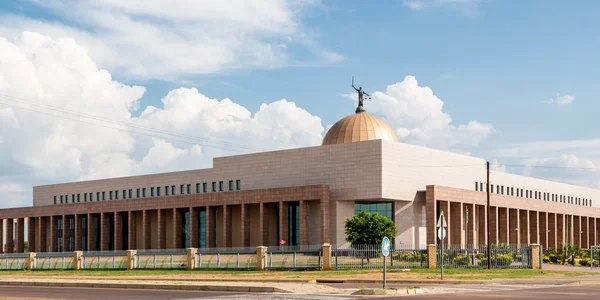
{"points": [[54, 199], [202, 228], [124, 194], [78, 198], [116, 195], [152, 192], [231, 185], [130, 194], [220, 186], [91, 197], [167, 190], [205, 187], [144, 192], [238, 184], [214, 186], [172, 190], [294, 223], [197, 188], [110, 193], [98, 196], [61, 199], [189, 188], [181, 190], [73, 198], [137, 193], [158, 191], [103, 196], [382, 208]]}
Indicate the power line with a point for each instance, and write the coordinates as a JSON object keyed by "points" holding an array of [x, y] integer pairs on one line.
{"points": [[549, 167]]}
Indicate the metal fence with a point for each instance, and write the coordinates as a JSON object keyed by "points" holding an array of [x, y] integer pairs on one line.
{"points": [[285, 257], [53, 261], [161, 259], [13, 261], [104, 260], [226, 258], [502, 256], [369, 257], [594, 257]]}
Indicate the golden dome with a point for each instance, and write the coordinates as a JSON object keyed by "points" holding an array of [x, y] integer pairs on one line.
{"points": [[359, 127]]}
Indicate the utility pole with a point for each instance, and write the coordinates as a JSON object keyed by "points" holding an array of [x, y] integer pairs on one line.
{"points": [[489, 260]]}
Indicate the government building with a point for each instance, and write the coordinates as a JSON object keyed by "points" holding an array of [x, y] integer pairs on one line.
{"points": [[302, 197]]}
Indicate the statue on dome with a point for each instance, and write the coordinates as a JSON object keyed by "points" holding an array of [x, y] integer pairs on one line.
{"points": [[361, 97]]}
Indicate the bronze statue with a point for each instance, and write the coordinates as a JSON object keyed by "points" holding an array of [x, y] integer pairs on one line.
{"points": [[361, 94]]}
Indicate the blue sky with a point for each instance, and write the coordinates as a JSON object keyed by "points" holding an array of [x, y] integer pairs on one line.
{"points": [[495, 62]]}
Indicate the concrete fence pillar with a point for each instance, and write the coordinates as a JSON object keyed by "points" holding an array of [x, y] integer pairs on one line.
{"points": [[261, 257], [326, 249], [77, 261], [131, 261], [30, 261], [535, 256], [431, 256], [191, 258]]}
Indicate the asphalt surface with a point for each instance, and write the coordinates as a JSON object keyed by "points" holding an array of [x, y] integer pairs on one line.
{"points": [[547, 293], [30, 292]]}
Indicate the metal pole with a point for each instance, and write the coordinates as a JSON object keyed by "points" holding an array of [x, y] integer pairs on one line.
{"points": [[442, 259], [384, 271], [489, 249]]}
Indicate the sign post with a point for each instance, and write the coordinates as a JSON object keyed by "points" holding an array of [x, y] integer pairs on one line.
{"points": [[385, 250], [441, 233]]}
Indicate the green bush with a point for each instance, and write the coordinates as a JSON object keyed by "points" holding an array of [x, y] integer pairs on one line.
{"points": [[462, 260], [499, 260], [405, 257], [553, 258], [584, 262], [549, 251], [519, 257], [546, 259]]}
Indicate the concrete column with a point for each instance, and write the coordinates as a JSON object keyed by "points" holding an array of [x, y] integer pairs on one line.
{"points": [[78, 233], [261, 257], [262, 229], [283, 222], [325, 216], [191, 258], [432, 256], [304, 223], [524, 227], [176, 229], [2, 250], [504, 225], [66, 234], [552, 230], [594, 231], [31, 258], [31, 230], [534, 227], [560, 229], [571, 220], [131, 261], [54, 233], [494, 226], [210, 228], [41, 235], [535, 256], [10, 239], [104, 234], [430, 215], [162, 229], [585, 227], [577, 230], [226, 226], [118, 232], [543, 228], [91, 232], [481, 225], [245, 225], [20, 236], [471, 230], [515, 228], [445, 208], [146, 229], [326, 250], [77, 260], [194, 240], [457, 222], [132, 230]]}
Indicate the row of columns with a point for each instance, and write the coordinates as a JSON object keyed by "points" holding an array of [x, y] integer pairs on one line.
{"points": [[43, 231], [516, 226]]}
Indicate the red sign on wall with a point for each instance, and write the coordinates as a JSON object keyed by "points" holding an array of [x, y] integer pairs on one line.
{"points": [[281, 242]]}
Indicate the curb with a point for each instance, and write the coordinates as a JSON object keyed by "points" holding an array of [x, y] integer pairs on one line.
{"points": [[213, 288]]}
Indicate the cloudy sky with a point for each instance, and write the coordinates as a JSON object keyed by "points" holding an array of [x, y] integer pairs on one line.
{"points": [[92, 89]]}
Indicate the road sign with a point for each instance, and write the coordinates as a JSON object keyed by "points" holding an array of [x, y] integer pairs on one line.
{"points": [[441, 226], [282, 242], [441, 233], [441, 221], [385, 246]]}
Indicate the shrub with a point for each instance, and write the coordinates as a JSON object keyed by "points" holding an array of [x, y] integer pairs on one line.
{"points": [[549, 251], [518, 257], [546, 259], [462, 260], [553, 258], [499, 260], [584, 262], [405, 257]]}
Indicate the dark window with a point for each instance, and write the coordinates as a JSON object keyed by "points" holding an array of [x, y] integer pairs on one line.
{"points": [[73, 198], [231, 185], [78, 198], [172, 190], [103, 196], [491, 188], [205, 187], [181, 189], [214, 186], [481, 186], [476, 186], [152, 192], [116, 195], [91, 197], [167, 190], [189, 188], [220, 186], [158, 191], [144, 192], [124, 194], [137, 193], [110, 195], [238, 184], [197, 188], [54, 199], [85, 196], [382, 208], [129, 192]]}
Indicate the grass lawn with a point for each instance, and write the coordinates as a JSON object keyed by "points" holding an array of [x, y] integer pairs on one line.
{"points": [[458, 274]]}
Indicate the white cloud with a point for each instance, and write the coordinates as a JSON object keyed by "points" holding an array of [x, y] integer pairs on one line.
{"points": [[419, 118], [12, 194], [467, 7], [561, 99], [153, 39], [38, 148]]}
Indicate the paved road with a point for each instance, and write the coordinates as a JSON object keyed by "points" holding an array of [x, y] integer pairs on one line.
{"points": [[17, 292], [548, 293]]}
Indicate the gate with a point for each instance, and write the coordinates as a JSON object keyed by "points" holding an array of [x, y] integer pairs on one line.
{"points": [[595, 257]]}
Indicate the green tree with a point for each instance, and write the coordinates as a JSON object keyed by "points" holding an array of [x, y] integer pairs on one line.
{"points": [[368, 229]]}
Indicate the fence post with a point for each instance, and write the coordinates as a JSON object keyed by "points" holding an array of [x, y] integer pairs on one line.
{"points": [[191, 258], [30, 261], [77, 260], [131, 262], [261, 253], [432, 256], [535, 256], [326, 249]]}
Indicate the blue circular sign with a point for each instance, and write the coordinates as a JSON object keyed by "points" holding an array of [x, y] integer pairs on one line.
{"points": [[385, 246]]}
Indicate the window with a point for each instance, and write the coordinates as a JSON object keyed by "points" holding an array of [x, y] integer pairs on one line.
{"points": [[173, 190], [381, 208], [137, 193], [124, 194], [214, 186], [167, 190], [103, 196], [197, 188], [158, 191], [189, 188], [129, 192], [85, 197], [220, 186], [73, 198], [98, 196], [231, 185], [238, 184], [476, 187], [78, 198], [91, 197], [481, 186], [110, 195], [491, 188], [144, 192], [54, 199], [61, 199], [181, 189], [116, 195], [205, 187], [152, 192]]}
